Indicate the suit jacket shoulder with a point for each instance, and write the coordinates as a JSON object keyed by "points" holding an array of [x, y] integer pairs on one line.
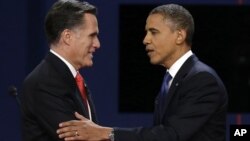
{"points": [[49, 96], [195, 108]]}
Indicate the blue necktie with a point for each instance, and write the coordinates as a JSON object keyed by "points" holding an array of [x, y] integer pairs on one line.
{"points": [[164, 89]]}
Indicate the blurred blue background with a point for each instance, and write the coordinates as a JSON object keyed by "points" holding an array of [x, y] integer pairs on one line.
{"points": [[23, 45]]}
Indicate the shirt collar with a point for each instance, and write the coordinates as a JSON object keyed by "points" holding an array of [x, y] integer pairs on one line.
{"points": [[177, 65], [71, 68]]}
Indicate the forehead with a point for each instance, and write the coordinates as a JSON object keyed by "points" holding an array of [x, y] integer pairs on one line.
{"points": [[89, 24], [156, 20], [90, 20]]}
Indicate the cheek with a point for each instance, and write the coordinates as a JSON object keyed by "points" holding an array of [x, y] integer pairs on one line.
{"points": [[83, 47], [84, 51], [161, 47]]}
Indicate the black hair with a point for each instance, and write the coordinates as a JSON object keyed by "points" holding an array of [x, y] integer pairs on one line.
{"points": [[180, 18], [65, 14]]}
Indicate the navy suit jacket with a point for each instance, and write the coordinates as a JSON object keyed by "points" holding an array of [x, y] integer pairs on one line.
{"points": [[195, 109], [50, 96]]}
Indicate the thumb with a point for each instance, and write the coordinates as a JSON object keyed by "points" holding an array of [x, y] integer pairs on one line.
{"points": [[78, 116]]}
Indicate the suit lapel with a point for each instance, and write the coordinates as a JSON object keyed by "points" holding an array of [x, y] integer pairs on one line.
{"points": [[178, 80], [63, 70], [93, 114], [78, 99]]}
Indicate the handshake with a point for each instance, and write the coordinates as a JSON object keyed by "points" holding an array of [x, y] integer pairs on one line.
{"points": [[84, 129]]}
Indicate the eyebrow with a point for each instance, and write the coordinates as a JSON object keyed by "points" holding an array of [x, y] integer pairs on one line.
{"points": [[94, 34], [152, 29]]}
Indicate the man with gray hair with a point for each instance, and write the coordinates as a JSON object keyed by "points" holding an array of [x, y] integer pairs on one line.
{"points": [[54, 90]]}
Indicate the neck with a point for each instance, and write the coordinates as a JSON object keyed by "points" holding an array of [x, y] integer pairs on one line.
{"points": [[178, 54], [63, 53]]}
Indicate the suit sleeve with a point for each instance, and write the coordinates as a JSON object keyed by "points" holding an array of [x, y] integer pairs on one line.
{"points": [[46, 105], [199, 99]]}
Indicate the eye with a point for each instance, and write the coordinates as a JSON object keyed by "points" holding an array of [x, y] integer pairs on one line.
{"points": [[153, 31], [94, 35]]}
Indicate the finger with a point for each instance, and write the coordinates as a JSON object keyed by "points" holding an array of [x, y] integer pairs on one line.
{"points": [[68, 134], [73, 138], [78, 116], [68, 123], [67, 129]]}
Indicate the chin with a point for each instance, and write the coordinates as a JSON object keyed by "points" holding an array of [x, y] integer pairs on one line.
{"points": [[89, 64], [154, 62]]}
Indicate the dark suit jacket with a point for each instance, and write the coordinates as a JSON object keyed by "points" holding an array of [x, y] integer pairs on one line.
{"points": [[195, 109], [50, 96]]}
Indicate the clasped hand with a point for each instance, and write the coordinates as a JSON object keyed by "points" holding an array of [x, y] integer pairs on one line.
{"points": [[82, 129]]}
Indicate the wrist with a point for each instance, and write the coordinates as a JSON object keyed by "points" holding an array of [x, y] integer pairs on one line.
{"points": [[107, 134], [112, 135]]}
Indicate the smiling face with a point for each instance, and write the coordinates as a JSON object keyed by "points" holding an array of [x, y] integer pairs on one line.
{"points": [[78, 44], [84, 42], [162, 41]]}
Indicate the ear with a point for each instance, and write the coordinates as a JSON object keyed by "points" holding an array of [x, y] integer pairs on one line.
{"points": [[66, 36], [181, 36]]}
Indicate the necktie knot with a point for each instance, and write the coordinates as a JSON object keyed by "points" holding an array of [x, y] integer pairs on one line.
{"points": [[167, 78], [165, 83], [79, 78]]}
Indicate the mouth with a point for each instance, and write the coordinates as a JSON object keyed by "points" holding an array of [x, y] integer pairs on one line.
{"points": [[91, 55], [149, 51]]}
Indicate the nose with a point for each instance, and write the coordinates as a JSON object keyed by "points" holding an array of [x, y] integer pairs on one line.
{"points": [[146, 40], [96, 43]]}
